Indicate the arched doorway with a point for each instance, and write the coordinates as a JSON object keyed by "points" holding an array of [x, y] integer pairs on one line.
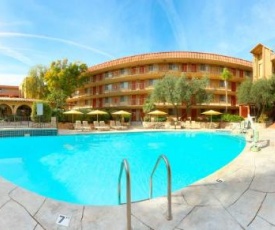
{"points": [[24, 112], [5, 111]]}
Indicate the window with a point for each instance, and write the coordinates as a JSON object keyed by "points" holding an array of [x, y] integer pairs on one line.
{"points": [[222, 98], [123, 71], [106, 100], [204, 68], [248, 74], [123, 99], [222, 84], [152, 82], [233, 71], [124, 85], [220, 69], [108, 87], [173, 67], [151, 68], [108, 74]]}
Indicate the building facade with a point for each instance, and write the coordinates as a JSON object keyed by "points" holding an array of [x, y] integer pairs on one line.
{"points": [[9, 91], [263, 62], [126, 82], [12, 104]]}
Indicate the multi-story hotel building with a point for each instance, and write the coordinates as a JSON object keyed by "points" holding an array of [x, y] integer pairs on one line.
{"points": [[126, 82]]}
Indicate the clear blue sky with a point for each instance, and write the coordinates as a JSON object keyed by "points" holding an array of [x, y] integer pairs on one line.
{"points": [[36, 32]]}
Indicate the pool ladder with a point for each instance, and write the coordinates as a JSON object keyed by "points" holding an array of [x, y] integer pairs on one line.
{"points": [[125, 166]]}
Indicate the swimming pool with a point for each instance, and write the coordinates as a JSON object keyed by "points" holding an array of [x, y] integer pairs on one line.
{"points": [[84, 169]]}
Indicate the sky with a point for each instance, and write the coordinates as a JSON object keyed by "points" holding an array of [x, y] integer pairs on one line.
{"points": [[37, 32]]}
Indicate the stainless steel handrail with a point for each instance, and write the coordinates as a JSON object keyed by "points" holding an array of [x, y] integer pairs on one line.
{"points": [[168, 168], [125, 166]]}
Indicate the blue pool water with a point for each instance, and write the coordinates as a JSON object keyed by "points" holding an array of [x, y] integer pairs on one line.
{"points": [[84, 169]]}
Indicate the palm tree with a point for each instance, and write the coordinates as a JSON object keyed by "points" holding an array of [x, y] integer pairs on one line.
{"points": [[226, 76]]}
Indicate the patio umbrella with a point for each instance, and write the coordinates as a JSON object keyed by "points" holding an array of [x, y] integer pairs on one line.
{"points": [[121, 113], [72, 112], [211, 113], [97, 112], [157, 113]]}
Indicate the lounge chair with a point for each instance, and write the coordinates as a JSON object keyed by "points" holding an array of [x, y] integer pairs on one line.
{"points": [[187, 124], [96, 124], [86, 126], [101, 126], [113, 125], [120, 126], [195, 125], [78, 125]]}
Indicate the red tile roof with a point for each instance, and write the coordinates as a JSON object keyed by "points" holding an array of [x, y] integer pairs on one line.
{"points": [[170, 56]]}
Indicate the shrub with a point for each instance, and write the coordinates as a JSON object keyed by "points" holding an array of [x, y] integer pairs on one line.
{"points": [[263, 118], [231, 118], [146, 118]]}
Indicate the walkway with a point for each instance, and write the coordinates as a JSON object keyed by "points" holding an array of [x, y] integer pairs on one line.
{"points": [[239, 196]]}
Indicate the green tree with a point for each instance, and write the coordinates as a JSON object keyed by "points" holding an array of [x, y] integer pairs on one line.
{"points": [[226, 76], [261, 93], [165, 91], [34, 85], [193, 92], [57, 99], [148, 105], [262, 96], [244, 92], [65, 76], [180, 90]]}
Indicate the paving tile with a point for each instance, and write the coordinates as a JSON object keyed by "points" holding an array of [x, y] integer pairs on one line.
{"points": [[5, 188], [229, 193], [209, 218], [267, 210], [233, 185], [260, 223], [105, 217], [246, 208], [38, 227], [264, 181], [50, 210], [15, 217], [154, 213], [199, 195], [29, 200]]}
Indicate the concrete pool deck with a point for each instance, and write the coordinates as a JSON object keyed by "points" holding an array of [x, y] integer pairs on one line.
{"points": [[241, 195]]}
